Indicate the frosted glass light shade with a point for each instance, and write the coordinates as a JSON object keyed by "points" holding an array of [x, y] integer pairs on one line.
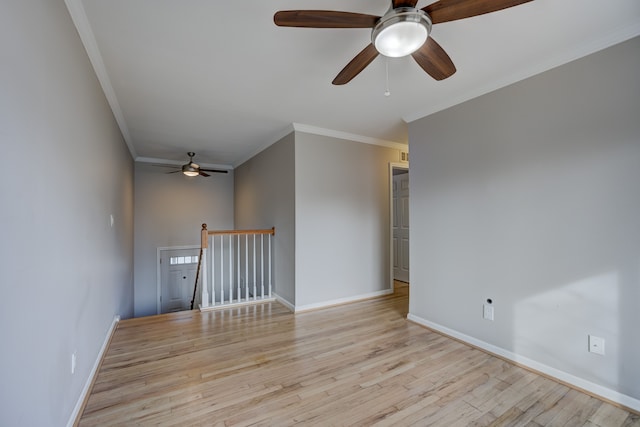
{"points": [[401, 31], [191, 169], [401, 38]]}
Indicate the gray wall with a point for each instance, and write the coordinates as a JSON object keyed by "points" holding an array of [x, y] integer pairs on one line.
{"points": [[342, 218], [65, 272], [264, 198], [329, 201], [169, 211], [530, 195]]}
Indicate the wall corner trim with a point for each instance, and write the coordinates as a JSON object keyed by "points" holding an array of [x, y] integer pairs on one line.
{"points": [[583, 385], [82, 399]]}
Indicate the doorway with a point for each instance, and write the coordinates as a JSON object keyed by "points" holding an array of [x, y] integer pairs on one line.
{"points": [[177, 269], [399, 187]]}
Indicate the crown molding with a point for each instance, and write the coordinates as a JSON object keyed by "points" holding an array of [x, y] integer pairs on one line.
{"points": [[299, 127], [270, 141], [618, 36], [80, 20]]}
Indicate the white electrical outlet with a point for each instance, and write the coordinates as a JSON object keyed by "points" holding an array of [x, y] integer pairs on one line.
{"points": [[596, 345], [73, 363], [111, 220], [487, 312]]}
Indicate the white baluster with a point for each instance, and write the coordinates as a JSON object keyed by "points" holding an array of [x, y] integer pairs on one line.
{"points": [[237, 272], [246, 266], [238, 265], [213, 270], [222, 268], [269, 265], [254, 266], [204, 293], [230, 267], [262, 265]]}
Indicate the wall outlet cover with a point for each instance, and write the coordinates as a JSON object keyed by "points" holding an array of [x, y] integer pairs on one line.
{"points": [[596, 344], [487, 311]]}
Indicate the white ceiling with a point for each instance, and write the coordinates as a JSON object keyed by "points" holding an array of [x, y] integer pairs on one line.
{"points": [[221, 79]]}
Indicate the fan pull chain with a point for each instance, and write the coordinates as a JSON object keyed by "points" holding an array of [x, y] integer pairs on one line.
{"points": [[387, 92]]}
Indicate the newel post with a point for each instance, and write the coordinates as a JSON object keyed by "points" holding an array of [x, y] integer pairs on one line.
{"points": [[204, 244]]}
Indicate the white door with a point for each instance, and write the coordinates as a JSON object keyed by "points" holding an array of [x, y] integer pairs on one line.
{"points": [[178, 276], [401, 227]]}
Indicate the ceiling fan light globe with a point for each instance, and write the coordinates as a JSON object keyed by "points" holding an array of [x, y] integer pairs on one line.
{"points": [[401, 39], [190, 169], [401, 32]]}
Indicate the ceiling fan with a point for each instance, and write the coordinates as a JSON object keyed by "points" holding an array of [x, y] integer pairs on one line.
{"points": [[402, 30], [193, 169]]}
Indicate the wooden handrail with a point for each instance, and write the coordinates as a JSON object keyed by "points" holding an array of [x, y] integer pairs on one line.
{"points": [[204, 233], [271, 231]]}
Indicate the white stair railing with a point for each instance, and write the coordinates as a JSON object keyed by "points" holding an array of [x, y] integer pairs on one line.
{"points": [[235, 267]]}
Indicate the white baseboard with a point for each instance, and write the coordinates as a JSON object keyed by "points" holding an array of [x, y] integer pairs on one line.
{"points": [[339, 301], [285, 302], [256, 301], [94, 371], [580, 383]]}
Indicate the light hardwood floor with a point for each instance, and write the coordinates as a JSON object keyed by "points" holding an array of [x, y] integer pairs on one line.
{"points": [[356, 364]]}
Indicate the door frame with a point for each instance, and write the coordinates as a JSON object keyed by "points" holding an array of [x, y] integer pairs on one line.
{"points": [[392, 166], [159, 269]]}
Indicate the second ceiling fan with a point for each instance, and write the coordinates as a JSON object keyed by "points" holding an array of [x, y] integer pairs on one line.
{"points": [[194, 169], [403, 30]]}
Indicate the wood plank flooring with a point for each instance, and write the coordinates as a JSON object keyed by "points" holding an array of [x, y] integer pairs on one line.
{"points": [[357, 364]]}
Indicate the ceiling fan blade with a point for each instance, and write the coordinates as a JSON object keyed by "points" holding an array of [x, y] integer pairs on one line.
{"points": [[434, 60], [215, 170], [356, 65], [404, 3], [203, 174], [324, 19], [179, 170], [452, 10]]}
